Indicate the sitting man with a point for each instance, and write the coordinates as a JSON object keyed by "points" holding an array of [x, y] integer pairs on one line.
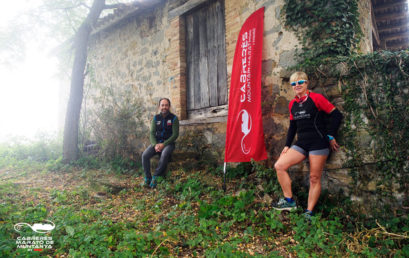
{"points": [[163, 134]]}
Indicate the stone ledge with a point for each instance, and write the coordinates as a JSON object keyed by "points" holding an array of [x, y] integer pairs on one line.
{"points": [[220, 119]]}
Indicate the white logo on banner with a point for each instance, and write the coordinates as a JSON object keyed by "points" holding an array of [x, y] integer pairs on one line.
{"points": [[246, 124], [36, 227]]}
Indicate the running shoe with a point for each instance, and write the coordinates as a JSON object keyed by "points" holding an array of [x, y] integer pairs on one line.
{"points": [[146, 182], [153, 182], [308, 215], [284, 205]]}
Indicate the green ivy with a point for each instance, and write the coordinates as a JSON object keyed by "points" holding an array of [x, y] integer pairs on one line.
{"points": [[376, 102], [325, 28], [375, 90]]}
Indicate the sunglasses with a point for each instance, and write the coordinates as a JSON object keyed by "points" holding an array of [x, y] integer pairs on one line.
{"points": [[300, 82]]}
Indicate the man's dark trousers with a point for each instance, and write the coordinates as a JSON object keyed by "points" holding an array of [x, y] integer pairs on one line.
{"points": [[163, 160]]}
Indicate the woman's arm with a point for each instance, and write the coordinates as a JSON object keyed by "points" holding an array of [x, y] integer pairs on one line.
{"points": [[335, 118], [291, 133]]}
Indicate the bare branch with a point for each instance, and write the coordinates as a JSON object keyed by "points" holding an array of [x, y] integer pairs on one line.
{"points": [[71, 7], [364, 92], [114, 6], [70, 21], [85, 5], [390, 234]]}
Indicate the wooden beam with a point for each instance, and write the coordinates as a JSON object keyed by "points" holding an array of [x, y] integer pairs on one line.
{"points": [[397, 41], [139, 8], [392, 16], [384, 7], [399, 45], [394, 36], [189, 5], [401, 22], [386, 28], [388, 5]]}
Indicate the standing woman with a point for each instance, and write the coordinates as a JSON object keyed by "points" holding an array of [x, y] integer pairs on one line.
{"points": [[313, 141]]}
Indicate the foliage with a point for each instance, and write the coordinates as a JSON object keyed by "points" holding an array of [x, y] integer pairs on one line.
{"points": [[187, 215], [43, 147], [43, 153], [196, 149], [376, 103], [243, 169], [29, 154], [317, 235], [113, 121], [325, 28]]}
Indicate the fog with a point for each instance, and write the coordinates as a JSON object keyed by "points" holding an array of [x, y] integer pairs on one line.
{"points": [[28, 88]]}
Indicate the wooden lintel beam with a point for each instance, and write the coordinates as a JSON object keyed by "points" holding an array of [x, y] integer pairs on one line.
{"points": [[189, 5]]}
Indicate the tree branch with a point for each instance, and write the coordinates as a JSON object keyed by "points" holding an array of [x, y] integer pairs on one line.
{"points": [[71, 7], [85, 5], [390, 234], [114, 6]]}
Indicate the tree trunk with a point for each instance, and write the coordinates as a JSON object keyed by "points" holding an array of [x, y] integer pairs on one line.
{"points": [[70, 144]]}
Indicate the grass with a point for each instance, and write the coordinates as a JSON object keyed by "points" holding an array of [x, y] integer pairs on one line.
{"points": [[187, 215], [101, 212]]}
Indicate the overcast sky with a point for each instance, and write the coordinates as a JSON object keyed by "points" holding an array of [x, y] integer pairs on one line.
{"points": [[28, 90]]}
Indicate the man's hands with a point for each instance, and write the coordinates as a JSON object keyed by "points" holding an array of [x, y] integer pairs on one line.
{"points": [[159, 147]]}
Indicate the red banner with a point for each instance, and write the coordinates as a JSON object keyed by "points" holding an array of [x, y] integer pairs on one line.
{"points": [[244, 135]]}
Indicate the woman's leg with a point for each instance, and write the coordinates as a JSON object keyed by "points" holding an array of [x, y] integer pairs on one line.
{"points": [[284, 162], [317, 163]]}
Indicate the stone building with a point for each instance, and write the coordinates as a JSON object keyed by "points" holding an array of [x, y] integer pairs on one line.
{"points": [[154, 49]]}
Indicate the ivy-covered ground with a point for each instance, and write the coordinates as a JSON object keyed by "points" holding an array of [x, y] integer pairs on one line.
{"points": [[101, 213]]}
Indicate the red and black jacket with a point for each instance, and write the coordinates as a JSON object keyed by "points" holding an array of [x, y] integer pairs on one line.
{"points": [[307, 118]]}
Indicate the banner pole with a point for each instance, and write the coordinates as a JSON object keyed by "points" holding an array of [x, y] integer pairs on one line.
{"points": [[224, 177]]}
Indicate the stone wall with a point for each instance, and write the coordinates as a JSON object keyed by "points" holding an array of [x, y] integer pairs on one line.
{"points": [[132, 56], [144, 57], [279, 47]]}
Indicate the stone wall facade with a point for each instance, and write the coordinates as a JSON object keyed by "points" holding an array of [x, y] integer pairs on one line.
{"points": [[144, 57]]}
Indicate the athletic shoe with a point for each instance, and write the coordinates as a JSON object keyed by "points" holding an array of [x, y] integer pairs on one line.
{"points": [[284, 205], [308, 214], [153, 182], [146, 182]]}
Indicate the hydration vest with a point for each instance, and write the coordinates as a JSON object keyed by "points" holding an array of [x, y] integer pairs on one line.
{"points": [[164, 127]]}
